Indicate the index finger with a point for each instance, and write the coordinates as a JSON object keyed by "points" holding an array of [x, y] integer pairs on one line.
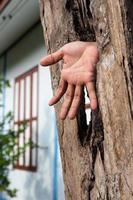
{"points": [[52, 58]]}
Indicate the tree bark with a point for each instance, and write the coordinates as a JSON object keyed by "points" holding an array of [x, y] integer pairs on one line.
{"points": [[97, 159]]}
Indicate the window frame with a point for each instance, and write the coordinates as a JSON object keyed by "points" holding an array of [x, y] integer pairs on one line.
{"points": [[3, 4], [30, 120]]}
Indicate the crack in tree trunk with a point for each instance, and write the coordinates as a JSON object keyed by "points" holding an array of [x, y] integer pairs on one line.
{"points": [[96, 159]]}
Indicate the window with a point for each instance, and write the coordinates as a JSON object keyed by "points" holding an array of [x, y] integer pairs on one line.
{"points": [[26, 110], [3, 4], [1, 105]]}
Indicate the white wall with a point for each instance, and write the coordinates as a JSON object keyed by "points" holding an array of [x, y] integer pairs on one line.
{"points": [[23, 56], [1, 95], [1, 64]]}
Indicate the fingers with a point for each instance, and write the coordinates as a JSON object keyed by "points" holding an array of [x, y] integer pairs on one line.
{"points": [[72, 98], [76, 102], [67, 101], [52, 58], [92, 95], [59, 92]]}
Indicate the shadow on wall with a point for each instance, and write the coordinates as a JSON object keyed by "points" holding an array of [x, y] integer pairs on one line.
{"points": [[39, 185], [36, 186]]}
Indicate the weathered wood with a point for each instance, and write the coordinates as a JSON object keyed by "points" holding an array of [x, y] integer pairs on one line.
{"points": [[93, 168], [115, 91]]}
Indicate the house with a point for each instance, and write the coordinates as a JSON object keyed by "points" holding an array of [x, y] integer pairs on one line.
{"points": [[37, 174]]}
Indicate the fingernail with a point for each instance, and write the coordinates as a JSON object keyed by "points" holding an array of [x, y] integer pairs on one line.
{"points": [[41, 61], [50, 103], [71, 116], [62, 117]]}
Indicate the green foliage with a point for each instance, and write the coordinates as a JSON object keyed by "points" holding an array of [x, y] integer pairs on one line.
{"points": [[3, 83], [8, 140]]}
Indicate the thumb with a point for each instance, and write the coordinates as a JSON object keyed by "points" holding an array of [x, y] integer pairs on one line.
{"points": [[52, 58]]}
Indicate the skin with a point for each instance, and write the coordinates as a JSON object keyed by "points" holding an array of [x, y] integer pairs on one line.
{"points": [[79, 69]]}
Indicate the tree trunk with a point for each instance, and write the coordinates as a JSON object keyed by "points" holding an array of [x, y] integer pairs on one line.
{"points": [[97, 159]]}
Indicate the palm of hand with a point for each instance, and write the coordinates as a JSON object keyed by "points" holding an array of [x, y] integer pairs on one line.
{"points": [[79, 59]]}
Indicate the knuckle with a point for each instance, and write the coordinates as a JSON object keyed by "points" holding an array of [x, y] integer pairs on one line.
{"points": [[91, 90], [52, 58], [91, 94], [56, 96], [77, 96], [74, 108], [68, 95], [64, 108], [60, 87], [89, 77]]}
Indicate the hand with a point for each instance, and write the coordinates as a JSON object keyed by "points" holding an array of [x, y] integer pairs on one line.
{"points": [[80, 59]]}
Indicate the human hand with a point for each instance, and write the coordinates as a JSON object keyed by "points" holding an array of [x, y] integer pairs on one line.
{"points": [[80, 59]]}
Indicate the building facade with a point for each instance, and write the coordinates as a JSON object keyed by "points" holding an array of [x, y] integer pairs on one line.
{"points": [[37, 173]]}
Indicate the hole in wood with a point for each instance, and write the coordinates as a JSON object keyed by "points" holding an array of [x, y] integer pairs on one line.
{"points": [[87, 108]]}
